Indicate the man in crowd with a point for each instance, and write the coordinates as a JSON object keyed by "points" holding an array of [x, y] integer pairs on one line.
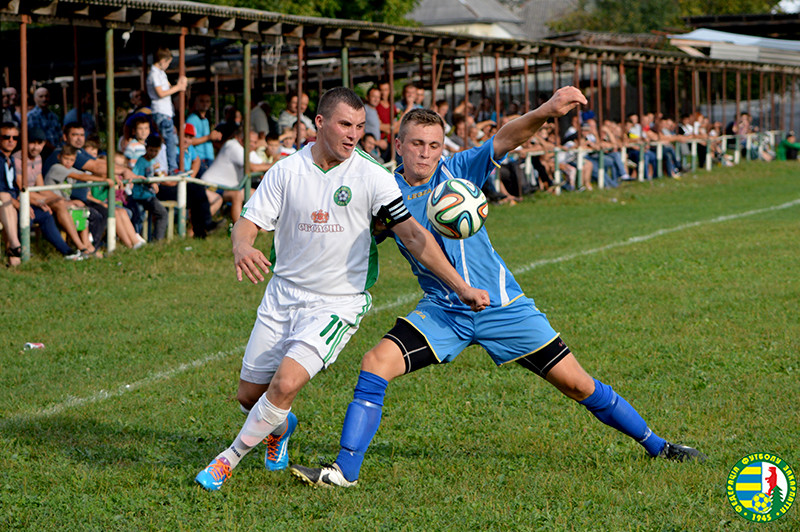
{"points": [[294, 110], [43, 117]]}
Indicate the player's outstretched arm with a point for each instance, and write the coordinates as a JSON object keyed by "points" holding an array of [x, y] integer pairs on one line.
{"points": [[519, 130], [246, 258], [423, 246]]}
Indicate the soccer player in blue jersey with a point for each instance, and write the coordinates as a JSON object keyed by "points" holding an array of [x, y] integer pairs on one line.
{"points": [[511, 329]]}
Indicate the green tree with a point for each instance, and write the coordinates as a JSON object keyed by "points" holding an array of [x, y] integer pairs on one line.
{"points": [[777, 501], [623, 16], [387, 11]]}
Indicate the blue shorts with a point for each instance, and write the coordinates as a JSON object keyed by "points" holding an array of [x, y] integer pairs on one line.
{"points": [[506, 333]]}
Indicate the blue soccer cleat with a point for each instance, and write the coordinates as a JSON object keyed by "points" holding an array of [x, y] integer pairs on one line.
{"points": [[213, 476], [277, 455]]}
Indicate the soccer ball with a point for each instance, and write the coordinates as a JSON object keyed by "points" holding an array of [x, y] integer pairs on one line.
{"points": [[457, 208], [761, 503]]}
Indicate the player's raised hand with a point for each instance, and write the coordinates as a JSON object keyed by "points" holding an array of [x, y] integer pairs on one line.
{"points": [[564, 100], [476, 298], [251, 262]]}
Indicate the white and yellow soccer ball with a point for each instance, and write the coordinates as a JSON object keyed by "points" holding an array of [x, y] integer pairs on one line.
{"points": [[761, 503], [457, 209]]}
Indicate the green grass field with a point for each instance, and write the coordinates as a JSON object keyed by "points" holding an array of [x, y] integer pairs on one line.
{"points": [[695, 323]]}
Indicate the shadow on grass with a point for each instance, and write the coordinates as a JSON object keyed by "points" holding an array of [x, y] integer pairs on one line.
{"points": [[99, 444]]}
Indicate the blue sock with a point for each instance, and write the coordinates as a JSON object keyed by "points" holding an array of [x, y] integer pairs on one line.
{"points": [[613, 410], [361, 423]]}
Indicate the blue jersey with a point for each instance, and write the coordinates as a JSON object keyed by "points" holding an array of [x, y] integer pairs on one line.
{"points": [[474, 258]]}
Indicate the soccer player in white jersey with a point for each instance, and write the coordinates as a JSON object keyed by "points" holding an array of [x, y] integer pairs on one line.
{"points": [[320, 202], [511, 328]]}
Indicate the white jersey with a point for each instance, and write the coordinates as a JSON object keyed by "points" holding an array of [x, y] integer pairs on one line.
{"points": [[322, 220]]}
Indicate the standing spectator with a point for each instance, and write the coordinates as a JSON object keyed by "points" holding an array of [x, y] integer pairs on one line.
{"points": [[44, 118], [144, 194], [159, 90], [386, 109], [289, 115], [9, 198], [373, 124], [10, 110], [204, 136]]}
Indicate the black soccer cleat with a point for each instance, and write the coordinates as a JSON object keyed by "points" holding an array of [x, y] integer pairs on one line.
{"points": [[328, 475], [681, 453]]}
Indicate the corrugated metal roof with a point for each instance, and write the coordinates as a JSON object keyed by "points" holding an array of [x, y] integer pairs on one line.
{"points": [[207, 20], [442, 12]]}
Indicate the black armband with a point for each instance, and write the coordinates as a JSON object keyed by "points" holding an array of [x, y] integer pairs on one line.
{"points": [[394, 213]]}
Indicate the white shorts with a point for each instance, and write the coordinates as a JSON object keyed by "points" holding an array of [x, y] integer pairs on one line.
{"points": [[308, 327]]}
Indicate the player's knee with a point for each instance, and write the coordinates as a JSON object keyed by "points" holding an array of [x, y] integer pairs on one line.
{"points": [[578, 388], [246, 398]]}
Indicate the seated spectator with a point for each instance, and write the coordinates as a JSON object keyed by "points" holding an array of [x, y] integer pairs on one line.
{"points": [[144, 194], [48, 200], [286, 140], [126, 232], [135, 147], [200, 201], [10, 111], [409, 99], [42, 117], [788, 148], [262, 121], [228, 171], [86, 118], [289, 115], [367, 144], [204, 136], [9, 204]]}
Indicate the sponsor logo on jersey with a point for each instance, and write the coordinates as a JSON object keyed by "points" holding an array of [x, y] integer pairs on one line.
{"points": [[416, 195], [320, 217], [342, 196], [761, 487]]}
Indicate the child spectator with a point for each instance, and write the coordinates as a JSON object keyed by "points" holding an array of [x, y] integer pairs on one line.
{"points": [[160, 91], [368, 145], [48, 200], [144, 194], [125, 231]]}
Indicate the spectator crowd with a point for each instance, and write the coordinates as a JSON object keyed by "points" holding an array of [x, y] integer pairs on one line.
{"points": [[68, 151]]}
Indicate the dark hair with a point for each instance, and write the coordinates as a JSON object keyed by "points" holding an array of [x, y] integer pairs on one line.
{"points": [[272, 137], [68, 150], [367, 135], [162, 53], [72, 125], [92, 142], [153, 141], [331, 99], [424, 117], [9, 125]]}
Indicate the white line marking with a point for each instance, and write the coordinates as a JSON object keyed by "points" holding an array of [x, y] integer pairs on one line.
{"points": [[660, 232], [102, 395]]}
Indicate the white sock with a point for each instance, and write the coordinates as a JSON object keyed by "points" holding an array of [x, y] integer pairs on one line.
{"points": [[262, 420]]}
